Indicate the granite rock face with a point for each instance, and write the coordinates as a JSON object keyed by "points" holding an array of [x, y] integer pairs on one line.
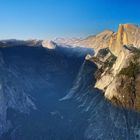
{"points": [[118, 74], [127, 34], [49, 44]]}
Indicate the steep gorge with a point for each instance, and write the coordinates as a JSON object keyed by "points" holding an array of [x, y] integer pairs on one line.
{"points": [[44, 92]]}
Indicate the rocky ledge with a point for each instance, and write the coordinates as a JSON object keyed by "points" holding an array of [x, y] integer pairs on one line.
{"points": [[118, 62]]}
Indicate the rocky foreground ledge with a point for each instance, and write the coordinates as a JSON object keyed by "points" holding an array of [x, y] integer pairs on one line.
{"points": [[118, 62]]}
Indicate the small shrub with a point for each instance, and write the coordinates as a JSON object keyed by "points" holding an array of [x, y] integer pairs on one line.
{"points": [[131, 70]]}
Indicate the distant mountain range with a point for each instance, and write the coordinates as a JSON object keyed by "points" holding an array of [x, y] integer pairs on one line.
{"points": [[14, 42], [95, 41]]}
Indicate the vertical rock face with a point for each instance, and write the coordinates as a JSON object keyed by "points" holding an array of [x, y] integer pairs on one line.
{"points": [[127, 34], [118, 73]]}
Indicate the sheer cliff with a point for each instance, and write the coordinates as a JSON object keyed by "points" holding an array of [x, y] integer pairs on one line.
{"points": [[118, 73]]}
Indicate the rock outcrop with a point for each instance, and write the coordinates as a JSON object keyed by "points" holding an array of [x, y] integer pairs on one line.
{"points": [[127, 34], [49, 44], [118, 74]]}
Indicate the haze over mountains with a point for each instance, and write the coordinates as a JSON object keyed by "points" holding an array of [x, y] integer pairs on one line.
{"points": [[94, 41], [48, 86]]}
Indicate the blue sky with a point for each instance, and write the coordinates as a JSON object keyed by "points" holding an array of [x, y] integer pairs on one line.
{"points": [[42, 19]]}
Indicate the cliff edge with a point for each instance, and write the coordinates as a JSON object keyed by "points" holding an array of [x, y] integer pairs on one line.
{"points": [[118, 74]]}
